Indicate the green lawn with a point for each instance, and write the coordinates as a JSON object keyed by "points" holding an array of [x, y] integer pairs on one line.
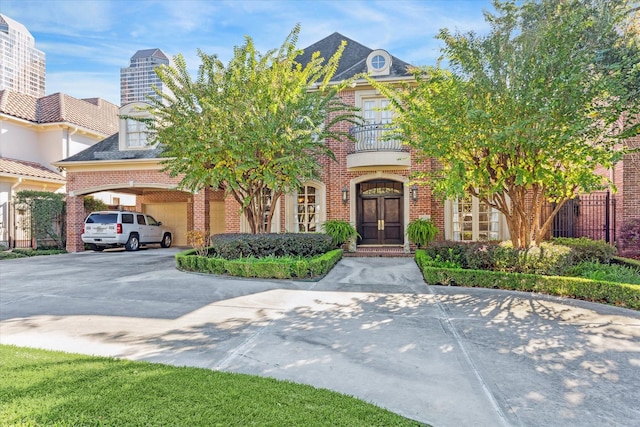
{"points": [[40, 387]]}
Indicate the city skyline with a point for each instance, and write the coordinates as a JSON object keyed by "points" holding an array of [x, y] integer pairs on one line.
{"points": [[85, 54]]}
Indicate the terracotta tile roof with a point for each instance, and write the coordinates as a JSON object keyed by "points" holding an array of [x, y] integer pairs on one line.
{"points": [[32, 169], [92, 113]]}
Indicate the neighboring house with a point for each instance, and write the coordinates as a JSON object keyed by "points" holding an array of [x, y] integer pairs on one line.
{"points": [[368, 185], [35, 133]]}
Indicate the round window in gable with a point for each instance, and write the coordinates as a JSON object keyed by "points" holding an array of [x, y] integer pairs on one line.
{"points": [[378, 62]]}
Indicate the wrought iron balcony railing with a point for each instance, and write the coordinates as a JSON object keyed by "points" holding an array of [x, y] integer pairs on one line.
{"points": [[375, 137]]}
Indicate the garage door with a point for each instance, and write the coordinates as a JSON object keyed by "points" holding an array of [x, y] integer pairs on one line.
{"points": [[174, 216], [216, 217]]}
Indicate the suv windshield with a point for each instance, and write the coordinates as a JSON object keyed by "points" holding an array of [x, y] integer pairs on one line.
{"points": [[110, 218]]}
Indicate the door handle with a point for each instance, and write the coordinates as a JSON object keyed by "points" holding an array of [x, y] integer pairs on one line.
{"points": [[381, 225]]}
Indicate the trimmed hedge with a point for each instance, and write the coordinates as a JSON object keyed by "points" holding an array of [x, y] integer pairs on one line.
{"points": [[265, 268], [242, 245], [620, 294]]}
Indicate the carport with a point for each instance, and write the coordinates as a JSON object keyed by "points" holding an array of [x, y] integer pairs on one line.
{"points": [[105, 167]]}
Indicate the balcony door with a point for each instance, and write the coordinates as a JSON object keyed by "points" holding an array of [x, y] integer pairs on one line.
{"points": [[379, 213]]}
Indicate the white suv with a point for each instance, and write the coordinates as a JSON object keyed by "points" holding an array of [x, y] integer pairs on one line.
{"points": [[110, 229]]}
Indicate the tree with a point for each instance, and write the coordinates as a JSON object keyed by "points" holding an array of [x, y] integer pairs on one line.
{"points": [[255, 127], [43, 216], [526, 113]]}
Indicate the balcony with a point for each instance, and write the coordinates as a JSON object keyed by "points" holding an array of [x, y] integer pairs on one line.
{"points": [[372, 151]]}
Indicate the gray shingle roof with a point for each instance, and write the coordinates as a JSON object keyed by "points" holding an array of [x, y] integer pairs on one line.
{"points": [[354, 57], [108, 149]]}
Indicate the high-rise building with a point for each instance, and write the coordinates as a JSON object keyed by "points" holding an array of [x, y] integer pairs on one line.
{"points": [[137, 80], [22, 66]]}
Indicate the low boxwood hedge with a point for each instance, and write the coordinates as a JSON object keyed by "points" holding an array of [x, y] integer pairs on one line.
{"points": [[269, 267], [620, 294]]}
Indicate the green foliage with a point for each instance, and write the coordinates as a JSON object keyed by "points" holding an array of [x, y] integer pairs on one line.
{"points": [[606, 272], [254, 127], [619, 294], [340, 231], [91, 204], [45, 388], [585, 249], [547, 259], [421, 232], [242, 245], [44, 216], [526, 113], [629, 262], [27, 252], [273, 267]]}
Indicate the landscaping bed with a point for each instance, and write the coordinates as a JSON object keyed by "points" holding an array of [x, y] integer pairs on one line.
{"points": [[575, 268], [266, 256]]}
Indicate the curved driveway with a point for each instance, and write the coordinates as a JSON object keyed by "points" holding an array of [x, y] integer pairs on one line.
{"points": [[371, 328]]}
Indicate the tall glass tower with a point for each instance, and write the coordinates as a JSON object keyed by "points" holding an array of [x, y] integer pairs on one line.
{"points": [[138, 79], [22, 66]]}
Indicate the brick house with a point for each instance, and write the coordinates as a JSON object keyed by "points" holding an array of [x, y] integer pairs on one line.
{"points": [[35, 133], [369, 184]]}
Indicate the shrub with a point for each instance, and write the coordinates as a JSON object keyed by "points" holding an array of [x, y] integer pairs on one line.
{"points": [[340, 231], [585, 249], [448, 252], [198, 240], [269, 267], [421, 232], [607, 272], [547, 259], [620, 294], [629, 237], [240, 245]]}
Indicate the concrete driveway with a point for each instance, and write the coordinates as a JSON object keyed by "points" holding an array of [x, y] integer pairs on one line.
{"points": [[371, 328]]}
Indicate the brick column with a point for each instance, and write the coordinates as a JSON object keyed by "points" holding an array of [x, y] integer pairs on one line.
{"points": [[75, 220], [201, 211], [231, 214]]}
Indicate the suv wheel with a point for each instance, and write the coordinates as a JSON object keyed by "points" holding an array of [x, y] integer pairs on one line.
{"points": [[166, 240], [133, 244]]}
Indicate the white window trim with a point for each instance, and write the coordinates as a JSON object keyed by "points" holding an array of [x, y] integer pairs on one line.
{"points": [[131, 110], [383, 71], [291, 206], [503, 232]]}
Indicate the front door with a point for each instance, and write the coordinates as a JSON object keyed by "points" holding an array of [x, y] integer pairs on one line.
{"points": [[380, 213]]}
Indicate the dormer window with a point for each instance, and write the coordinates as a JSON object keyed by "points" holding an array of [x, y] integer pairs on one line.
{"points": [[379, 63], [133, 133], [136, 134]]}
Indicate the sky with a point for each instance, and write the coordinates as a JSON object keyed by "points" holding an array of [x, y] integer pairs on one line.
{"points": [[87, 42]]}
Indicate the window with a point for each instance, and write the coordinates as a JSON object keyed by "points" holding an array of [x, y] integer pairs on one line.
{"points": [[141, 220], [474, 220], [307, 213], [136, 134], [378, 62]]}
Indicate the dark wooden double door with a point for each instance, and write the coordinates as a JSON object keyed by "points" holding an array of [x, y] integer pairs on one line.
{"points": [[379, 213]]}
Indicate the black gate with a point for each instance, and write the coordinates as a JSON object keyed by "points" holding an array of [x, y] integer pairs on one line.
{"points": [[591, 215], [24, 234]]}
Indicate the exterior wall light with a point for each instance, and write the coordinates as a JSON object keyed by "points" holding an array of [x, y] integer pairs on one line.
{"points": [[414, 193], [345, 195]]}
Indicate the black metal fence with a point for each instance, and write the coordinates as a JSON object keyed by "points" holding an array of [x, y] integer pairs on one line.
{"points": [[591, 215]]}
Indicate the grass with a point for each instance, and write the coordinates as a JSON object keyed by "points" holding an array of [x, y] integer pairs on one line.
{"points": [[39, 387]]}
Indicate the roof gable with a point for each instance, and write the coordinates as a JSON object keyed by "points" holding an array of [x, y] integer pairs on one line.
{"points": [[354, 57]]}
